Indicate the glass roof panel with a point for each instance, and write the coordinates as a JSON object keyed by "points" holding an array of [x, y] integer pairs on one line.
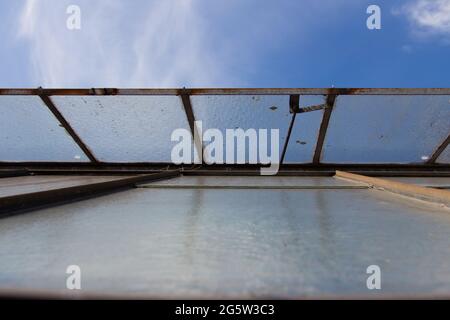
{"points": [[244, 112], [30, 132], [305, 131], [238, 243], [386, 129], [368, 128], [125, 128]]}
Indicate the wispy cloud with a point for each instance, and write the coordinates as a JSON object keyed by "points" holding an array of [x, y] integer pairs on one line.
{"points": [[166, 43], [159, 43], [172, 47], [429, 17]]}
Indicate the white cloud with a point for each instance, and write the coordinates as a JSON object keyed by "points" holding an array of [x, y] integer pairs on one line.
{"points": [[155, 44], [164, 43], [429, 16], [172, 47]]}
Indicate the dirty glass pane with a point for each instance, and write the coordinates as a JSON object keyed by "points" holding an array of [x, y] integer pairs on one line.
{"points": [[30, 132], [444, 157], [252, 112], [305, 131], [386, 129], [126, 128]]}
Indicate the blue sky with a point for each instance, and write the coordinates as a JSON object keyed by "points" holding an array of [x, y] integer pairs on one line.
{"points": [[245, 43]]}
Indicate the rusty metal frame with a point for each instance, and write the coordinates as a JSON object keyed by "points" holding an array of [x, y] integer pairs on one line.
{"points": [[306, 169], [227, 91], [294, 93]]}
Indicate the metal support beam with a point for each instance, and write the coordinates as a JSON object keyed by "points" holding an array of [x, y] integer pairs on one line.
{"points": [[225, 91], [439, 150], [110, 168], [51, 106], [288, 137], [409, 190], [331, 99], [30, 201], [312, 108], [13, 173], [185, 98], [294, 104]]}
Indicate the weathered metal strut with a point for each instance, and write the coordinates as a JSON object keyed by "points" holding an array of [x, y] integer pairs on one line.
{"points": [[294, 104], [439, 150], [331, 99], [51, 106], [186, 100]]}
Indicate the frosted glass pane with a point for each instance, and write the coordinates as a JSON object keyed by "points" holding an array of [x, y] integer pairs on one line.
{"points": [[184, 243], [386, 129], [244, 112], [126, 128], [445, 156], [302, 143], [30, 132]]}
